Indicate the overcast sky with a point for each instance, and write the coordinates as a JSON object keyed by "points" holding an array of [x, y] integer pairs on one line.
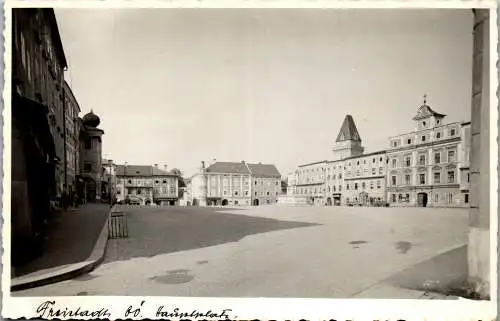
{"points": [[178, 86]]}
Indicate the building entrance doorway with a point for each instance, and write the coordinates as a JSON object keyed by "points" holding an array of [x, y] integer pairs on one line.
{"points": [[256, 202], [329, 201], [224, 202], [422, 199]]}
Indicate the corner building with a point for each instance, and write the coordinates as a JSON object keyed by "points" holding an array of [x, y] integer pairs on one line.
{"points": [[429, 167], [234, 184]]}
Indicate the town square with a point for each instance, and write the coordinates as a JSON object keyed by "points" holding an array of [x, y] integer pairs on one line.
{"points": [[250, 153]]}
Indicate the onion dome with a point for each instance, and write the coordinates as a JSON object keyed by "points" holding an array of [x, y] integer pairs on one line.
{"points": [[91, 119]]}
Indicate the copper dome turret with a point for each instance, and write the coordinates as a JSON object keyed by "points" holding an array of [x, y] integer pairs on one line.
{"points": [[91, 119]]}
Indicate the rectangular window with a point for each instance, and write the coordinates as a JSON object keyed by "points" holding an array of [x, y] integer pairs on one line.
{"points": [[394, 163], [451, 156], [381, 170], [407, 179], [393, 180], [347, 187], [363, 185], [437, 178], [437, 158], [374, 171], [468, 178], [139, 191], [423, 138], [422, 178], [466, 199], [394, 198], [371, 185], [408, 141], [408, 161], [400, 198], [421, 159], [452, 132], [355, 186], [438, 135], [378, 184], [436, 198], [450, 198], [451, 177]]}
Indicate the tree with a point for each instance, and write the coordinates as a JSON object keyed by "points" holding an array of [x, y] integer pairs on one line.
{"points": [[179, 173], [284, 184]]}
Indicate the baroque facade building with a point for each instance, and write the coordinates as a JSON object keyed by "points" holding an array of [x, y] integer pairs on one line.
{"points": [[146, 185], [426, 167], [234, 184], [430, 165]]}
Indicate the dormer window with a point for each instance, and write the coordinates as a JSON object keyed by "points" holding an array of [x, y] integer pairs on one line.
{"points": [[408, 141], [423, 138], [438, 135]]}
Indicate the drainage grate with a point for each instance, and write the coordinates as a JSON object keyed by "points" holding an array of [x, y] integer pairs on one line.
{"points": [[118, 227]]}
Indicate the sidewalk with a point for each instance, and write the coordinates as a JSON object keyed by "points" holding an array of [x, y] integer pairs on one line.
{"points": [[71, 240], [429, 279]]}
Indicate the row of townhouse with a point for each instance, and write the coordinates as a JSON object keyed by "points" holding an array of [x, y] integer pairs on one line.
{"points": [[146, 185], [428, 167]]}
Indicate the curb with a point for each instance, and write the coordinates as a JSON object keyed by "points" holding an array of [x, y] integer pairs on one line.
{"points": [[69, 271]]}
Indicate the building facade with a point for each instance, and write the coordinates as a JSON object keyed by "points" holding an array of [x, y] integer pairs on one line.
{"points": [[38, 62], [429, 167], [426, 167], [234, 184], [72, 147], [90, 157], [146, 185]]}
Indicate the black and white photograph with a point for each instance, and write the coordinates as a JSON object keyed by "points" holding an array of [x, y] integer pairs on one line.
{"points": [[253, 152]]}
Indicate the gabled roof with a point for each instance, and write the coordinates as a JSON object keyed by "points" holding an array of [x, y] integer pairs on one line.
{"points": [[425, 111], [264, 170], [348, 131], [140, 170], [228, 167]]}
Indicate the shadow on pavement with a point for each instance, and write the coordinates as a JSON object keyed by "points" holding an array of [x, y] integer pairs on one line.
{"points": [[160, 230], [438, 274]]}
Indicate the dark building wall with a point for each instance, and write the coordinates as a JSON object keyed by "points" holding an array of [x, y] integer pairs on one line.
{"points": [[38, 63]]}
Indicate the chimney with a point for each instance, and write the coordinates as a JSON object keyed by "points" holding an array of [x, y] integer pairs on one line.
{"points": [[202, 164]]}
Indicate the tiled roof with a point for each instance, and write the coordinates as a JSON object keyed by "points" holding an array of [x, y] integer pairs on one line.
{"points": [[264, 170], [140, 170], [348, 131], [365, 155], [228, 167], [426, 111]]}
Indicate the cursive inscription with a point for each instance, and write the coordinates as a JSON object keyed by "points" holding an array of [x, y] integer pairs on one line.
{"points": [[48, 310], [175, 313]]}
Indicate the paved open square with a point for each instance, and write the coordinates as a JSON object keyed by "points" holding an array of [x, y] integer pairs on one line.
{"points": [[268, 251]]}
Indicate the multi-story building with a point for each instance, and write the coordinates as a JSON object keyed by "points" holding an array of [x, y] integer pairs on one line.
{"points": [[72, 137], [364, 179], [90, 158], [426, 167], [108, 181], [430, 165], [350, 178], [146, 185], [38, 62], [234, 184]]}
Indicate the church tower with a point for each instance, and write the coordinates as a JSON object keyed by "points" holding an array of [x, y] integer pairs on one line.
{"points": [[348, 142]]}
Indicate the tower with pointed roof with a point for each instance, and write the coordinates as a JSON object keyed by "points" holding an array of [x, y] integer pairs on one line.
{"points": [[348, 142]]}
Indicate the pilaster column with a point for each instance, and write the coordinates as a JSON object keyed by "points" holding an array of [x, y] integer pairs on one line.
{"points": [[479, 215]]}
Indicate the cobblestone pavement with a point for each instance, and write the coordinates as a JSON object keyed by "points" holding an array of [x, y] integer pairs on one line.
{"points": [[268, 251]]}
